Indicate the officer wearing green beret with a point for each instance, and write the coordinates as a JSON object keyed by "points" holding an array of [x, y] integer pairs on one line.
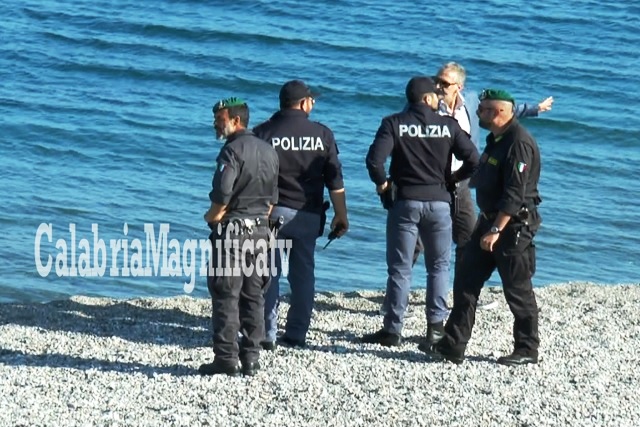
{"points": [[245, 188], [507, 195]]}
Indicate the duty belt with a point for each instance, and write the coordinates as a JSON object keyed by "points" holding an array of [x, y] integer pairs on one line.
{"points": [[244, 224], [523, 214]]}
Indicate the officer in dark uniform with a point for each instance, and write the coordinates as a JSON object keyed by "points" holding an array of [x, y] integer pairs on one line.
{"points": [[245, 188], [420, 142], [309, 163], [507, 195]]}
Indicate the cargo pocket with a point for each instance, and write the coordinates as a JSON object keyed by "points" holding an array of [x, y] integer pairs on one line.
{"points": [[515, 240], [518, 252], [266, 276], [214, 270], [212, 282]]}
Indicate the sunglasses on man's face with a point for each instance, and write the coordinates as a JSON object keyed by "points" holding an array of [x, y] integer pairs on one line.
{"points": [[445, 84], [308, 99]]}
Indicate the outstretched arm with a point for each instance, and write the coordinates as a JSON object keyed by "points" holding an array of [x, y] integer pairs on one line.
{"points": [[524, 110], [545, 105]]}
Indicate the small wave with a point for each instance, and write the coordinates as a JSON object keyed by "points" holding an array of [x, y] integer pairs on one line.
{"points": [[136, 48], [60, 152], [9, 220], [590, 131], [68, 210], [35, 14]]}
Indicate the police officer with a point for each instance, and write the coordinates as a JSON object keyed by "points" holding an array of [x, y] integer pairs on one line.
{"points": [[507, 194], [309, 162], [420, 142], [451, 78], [461, 104], [244, 192]]}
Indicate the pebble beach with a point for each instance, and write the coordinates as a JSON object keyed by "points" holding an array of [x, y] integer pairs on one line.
{"points": [[107, 362]]}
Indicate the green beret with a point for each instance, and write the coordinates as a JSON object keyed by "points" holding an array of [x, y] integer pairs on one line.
{"points": [[229, 102], [496, 95]]}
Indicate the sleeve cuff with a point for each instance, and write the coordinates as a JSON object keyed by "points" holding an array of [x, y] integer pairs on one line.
{"points": [[219, 199], [509, 208], [337, 184]]}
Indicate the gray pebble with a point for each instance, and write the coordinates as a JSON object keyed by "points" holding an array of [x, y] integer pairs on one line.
{"points": [[91, 361]]}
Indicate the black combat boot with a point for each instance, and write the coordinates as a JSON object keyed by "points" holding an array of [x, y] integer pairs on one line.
{"points": [[217, 368], [382, 337], [518, 358], [249, 369], [435, 332]]}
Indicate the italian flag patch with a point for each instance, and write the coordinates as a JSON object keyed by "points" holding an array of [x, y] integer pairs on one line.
{"points": [[522, 167]]}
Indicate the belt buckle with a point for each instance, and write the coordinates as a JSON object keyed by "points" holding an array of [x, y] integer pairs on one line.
{"points": [[249, 225]]}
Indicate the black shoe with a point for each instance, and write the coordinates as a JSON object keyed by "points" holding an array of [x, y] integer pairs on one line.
{"points": [[219, 368], [382, 337], [515, 359], [439, 352], [268, 345], [249, 369], [290, 342], [435, 332]]}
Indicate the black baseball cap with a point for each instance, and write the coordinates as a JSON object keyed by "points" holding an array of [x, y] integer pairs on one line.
{"points": [[418, 86], [294, 90]]}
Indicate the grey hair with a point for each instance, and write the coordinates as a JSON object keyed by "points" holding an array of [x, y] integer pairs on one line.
{"points": [[457, 68]]}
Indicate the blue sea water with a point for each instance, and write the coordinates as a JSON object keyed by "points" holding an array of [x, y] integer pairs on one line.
{"points": [[105, 111]]}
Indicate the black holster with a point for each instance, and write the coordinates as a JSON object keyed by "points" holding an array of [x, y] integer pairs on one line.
{"points": [[529, 216], [455, 205], [388, 197], [275, 224]]}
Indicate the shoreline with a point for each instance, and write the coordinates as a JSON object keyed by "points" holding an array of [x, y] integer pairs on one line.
{"points": [[134, 361]]}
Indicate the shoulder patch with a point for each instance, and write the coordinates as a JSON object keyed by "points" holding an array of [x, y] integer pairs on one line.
{"points": [[522, 167]]}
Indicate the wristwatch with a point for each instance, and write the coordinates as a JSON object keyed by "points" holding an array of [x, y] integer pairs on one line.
{"points": [[495, 230]]}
